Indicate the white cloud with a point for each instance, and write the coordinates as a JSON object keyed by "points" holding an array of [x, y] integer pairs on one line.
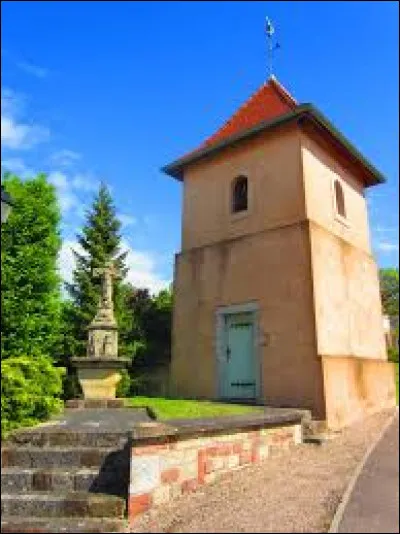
{"points": [[17, 134], [66, 197], [66, 259], [143, 269], [58, 179], [84, 182], [385, 229], [65, 158], [141, 264], [126, 220], [11, 103], [387, 246], [35, 70], [27, 66], [18, 167], [68, 189]]}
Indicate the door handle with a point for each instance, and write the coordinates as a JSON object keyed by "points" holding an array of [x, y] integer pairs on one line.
{"points": [[228, 354]]}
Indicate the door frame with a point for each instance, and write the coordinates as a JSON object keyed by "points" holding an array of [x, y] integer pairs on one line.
{"points": [[220, 314]]}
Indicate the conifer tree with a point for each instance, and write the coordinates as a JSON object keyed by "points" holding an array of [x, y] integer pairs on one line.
{"points": [[100, 240]]}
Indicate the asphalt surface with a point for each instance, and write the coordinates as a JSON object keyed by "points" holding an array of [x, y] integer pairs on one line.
{"points": [[124, 419], [374, 502], [109, 419]]}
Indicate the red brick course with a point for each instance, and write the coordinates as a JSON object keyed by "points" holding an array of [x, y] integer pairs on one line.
{"points": [[170, 475], [138, 504], [150, 449], [281, 437], [199, 461], [189, 485], [255, 453], [237, 448], [209, 467], [201, 466]]}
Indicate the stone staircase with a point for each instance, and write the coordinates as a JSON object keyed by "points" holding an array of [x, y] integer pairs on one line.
{"points": [[55, 480]]}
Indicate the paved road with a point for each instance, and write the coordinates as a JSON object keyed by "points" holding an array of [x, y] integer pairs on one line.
{"points": [[374, 503]]}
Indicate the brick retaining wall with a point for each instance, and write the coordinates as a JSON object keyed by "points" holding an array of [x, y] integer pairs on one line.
{"points": [[168, 466]]}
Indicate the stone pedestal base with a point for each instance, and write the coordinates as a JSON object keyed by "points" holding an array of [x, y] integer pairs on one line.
{"points": [[96, 404], [99, 377]]}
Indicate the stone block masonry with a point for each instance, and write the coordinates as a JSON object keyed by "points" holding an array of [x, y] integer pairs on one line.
{"points": [[167, 461]]}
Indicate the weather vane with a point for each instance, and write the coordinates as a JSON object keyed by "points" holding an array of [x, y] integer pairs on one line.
{"points": [[270, 30]]}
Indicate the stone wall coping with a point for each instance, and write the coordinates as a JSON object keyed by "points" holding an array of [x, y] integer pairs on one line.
{"points": [[171, 430], [99, 363]]}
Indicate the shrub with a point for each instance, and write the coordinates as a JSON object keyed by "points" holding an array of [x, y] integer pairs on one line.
{"points": [[393, 354], [30, 391], [124, 384]]}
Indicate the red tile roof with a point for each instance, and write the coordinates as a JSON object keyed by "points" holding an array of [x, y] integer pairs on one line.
{"points": [[268, 107], [267, 103]]}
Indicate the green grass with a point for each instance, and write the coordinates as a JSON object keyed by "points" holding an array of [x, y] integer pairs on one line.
{"points": [[178, 408]]}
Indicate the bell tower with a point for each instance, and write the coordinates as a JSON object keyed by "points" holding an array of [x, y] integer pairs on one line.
{"points": [[276, 293]]}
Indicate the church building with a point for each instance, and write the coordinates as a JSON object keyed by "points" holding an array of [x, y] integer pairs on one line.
{"points": [[276, 292]]}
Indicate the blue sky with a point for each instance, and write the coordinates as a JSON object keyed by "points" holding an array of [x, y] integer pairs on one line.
{"points": [[114, 90]]}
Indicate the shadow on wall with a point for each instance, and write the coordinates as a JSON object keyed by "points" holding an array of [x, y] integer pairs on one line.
{"points": [[151, 381], [113, 477]]}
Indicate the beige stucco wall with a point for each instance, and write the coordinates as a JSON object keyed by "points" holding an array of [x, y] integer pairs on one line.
{"points": [[358, 379], [346, 285], [320, 170], [271, 268], [272, 164], [347, 298], [355, 387]]}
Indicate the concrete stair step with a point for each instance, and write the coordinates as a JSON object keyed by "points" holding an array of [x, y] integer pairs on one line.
{"points": [[68, 438], [16, 479], [16, 524], [56, 505], [59, 457]]}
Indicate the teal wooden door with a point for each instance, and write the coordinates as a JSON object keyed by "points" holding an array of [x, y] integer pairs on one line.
{"points": [[239, 362]]}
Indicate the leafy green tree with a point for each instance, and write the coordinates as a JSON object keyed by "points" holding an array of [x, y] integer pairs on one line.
{"points": [[100, 241], [30, 283], [157, 326], [389, 285], [152, 334], [30, 304]]}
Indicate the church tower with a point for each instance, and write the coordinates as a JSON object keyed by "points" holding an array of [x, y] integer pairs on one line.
{"points": [[276, 293]]}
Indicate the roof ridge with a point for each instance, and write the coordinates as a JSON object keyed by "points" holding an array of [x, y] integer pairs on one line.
{"points": [[268, 100], [232, 117], [283, 92]]}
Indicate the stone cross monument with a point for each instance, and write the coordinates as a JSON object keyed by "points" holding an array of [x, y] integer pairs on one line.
{"points": [[98, 371], [103, 330]]}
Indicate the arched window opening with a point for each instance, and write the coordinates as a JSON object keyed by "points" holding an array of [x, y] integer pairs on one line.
{"points": [[339, 198], [239, 194]]}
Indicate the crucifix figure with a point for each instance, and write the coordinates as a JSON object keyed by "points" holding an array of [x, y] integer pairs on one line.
{"points": [[107, 273]]}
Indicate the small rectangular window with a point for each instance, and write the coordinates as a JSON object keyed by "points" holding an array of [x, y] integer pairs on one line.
{"points": [[339, 199], [239, 194]]}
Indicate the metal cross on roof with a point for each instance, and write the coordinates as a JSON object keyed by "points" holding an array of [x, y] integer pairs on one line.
{"points": [[270, 31]]}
